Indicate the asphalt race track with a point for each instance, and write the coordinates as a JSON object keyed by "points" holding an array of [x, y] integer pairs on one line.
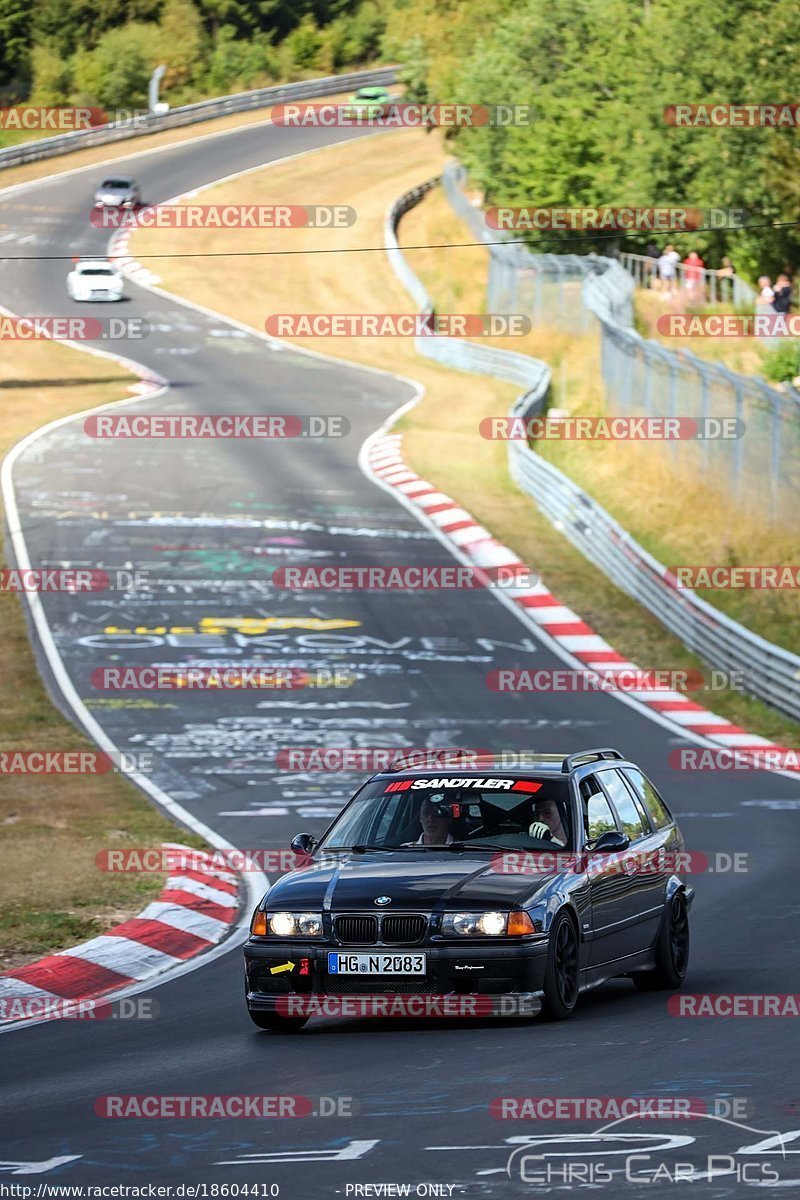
{"points": [[206, 520]]}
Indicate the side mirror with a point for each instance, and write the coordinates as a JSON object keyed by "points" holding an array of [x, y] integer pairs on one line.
{"points": [[303, 843], [611, 842]]}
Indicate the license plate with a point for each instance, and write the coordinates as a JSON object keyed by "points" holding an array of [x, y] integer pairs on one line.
{"points": [[376, 964]]}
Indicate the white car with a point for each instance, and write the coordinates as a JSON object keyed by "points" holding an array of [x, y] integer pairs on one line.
{"points": [[94, 279]]}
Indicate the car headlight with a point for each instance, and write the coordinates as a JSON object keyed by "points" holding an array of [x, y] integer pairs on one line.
{"points": [[294, 924], [487, 924]]}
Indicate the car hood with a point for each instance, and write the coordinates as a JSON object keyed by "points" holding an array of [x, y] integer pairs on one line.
{"points": [[412, 881]]}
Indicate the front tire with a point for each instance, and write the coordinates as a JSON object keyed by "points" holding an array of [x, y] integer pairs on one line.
{"points": [[562, 972], [275, 1022], [672, 951]]}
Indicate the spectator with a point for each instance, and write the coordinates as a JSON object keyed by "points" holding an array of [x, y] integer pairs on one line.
{"points": [[725, 276], [667, 268], [653, 253], [765, 296], [782, 300], [693, 273]]}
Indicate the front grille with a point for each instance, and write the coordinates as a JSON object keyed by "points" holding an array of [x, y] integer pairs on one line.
{"points": [[344, 985], [386, 929], [357, 930], [398, 929]]}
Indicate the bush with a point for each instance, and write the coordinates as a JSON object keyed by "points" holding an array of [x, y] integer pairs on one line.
{"points": [[782, 363]]}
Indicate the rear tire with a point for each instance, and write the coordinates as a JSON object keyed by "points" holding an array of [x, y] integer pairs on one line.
{"points": [[275, 1022], [562, 971], [672, 951]]}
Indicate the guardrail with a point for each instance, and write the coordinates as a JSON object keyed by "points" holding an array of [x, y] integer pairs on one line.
{"points": [[766, 670], [643, 377], [528, 373], [190, 114]]}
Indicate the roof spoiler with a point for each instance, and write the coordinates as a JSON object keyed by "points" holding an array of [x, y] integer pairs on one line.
{"points": [[581, 757]]}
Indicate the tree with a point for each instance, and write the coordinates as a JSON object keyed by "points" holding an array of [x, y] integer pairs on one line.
{"points": [[182, 39], [116, 73], [14, 42]]}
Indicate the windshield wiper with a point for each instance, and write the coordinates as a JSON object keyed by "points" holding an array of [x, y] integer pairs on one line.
{"points": [[365, 849]]}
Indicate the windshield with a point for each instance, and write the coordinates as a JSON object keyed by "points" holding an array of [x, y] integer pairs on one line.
{"points": [[116, 184], [487, 812], [106, 271]]}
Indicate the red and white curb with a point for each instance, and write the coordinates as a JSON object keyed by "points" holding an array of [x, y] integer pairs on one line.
{"points": [[571, 633], [120, 255], [196, 910]]}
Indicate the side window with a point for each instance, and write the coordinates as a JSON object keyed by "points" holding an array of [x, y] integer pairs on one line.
{"points": [[659, 813], [632, 823], [599, 817]]}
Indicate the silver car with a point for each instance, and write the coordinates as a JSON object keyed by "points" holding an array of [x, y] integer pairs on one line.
{"points": [[119, 191]]}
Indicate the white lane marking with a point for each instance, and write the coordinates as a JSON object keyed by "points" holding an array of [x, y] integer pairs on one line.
{"points": [[37, 1168], [356, 1148]]}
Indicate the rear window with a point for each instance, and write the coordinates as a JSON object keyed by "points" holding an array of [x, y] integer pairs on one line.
{"points": [[490, 812], [104, 271], [659, 813]]}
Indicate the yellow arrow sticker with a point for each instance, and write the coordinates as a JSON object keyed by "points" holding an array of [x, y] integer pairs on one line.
{"points": [[287, 966]]}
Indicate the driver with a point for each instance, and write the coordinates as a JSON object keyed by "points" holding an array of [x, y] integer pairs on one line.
{"points": [[547, 822], [435, 826]]}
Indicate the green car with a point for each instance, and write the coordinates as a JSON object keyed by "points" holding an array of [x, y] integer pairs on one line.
{"points": [[368, 102]]}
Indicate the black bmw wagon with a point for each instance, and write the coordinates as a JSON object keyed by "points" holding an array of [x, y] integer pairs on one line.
{"points": [[525, 885]]}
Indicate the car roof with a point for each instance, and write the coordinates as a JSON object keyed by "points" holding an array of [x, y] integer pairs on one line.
{"points": [[548, 763], [95, 262]]}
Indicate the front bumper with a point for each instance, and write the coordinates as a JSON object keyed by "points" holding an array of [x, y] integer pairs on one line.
{"points": [[503, 976]]}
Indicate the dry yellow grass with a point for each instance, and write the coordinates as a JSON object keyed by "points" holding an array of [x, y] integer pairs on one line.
{"points": [[738, 354], [370, 175], [51, 893]]}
